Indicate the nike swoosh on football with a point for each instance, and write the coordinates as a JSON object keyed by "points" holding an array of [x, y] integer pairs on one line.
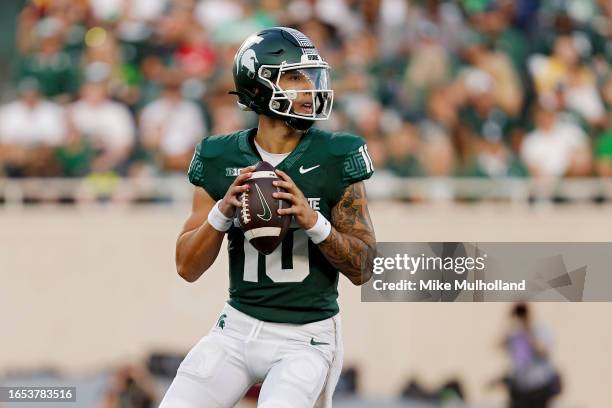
{"points": [[317, 343], [267, 213], [303, 170]]}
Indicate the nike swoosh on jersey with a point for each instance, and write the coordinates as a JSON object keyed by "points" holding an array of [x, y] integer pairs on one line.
{"points": [[267, 213], [303, 170], [317, 343]]}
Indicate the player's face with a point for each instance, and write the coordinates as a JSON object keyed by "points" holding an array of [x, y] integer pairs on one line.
{"points": [[303, 81], [296, 80]]}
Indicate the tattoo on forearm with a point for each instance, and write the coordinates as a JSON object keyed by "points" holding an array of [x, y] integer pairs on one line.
{"points": [[351, 246]]}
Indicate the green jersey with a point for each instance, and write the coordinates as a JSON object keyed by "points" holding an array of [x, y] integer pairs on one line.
{"points": [[295, 283]]}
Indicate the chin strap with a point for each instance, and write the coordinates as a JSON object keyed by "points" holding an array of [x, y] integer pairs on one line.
{"points": [[241, 97], [299, 124], [295, 123]]}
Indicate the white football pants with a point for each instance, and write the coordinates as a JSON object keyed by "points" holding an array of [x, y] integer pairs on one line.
{"points": [[299, 365]]}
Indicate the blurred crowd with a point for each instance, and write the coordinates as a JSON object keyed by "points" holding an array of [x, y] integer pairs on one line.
{"points": [[475, 88]]}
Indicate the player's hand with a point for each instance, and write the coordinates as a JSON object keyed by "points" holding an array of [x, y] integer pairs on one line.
{"points": [[230, 202], [305, 216]]}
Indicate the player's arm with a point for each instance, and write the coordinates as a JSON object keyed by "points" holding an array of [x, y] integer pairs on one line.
{"points": [[199, 242], [351, 244]]}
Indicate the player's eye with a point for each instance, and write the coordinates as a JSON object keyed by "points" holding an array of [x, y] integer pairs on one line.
{"points": [[294, 76]]}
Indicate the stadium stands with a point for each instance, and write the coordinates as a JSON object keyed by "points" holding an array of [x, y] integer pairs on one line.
{"points": [[481, 89]]}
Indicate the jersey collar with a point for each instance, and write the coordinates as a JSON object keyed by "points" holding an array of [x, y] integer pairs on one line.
{"points": [[245, 146]]}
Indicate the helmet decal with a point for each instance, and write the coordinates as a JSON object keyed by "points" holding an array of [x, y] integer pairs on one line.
{"points": [[248, 60], [307, 46], [247, 56]]}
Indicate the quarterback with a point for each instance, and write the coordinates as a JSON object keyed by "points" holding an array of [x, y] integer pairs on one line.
{"points": [[281, 325]]}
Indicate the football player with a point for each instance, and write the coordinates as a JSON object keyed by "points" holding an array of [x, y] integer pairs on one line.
{"points": [[280, 325]]}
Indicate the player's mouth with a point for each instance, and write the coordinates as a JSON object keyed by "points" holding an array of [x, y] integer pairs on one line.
{"points": [[304, 108]]}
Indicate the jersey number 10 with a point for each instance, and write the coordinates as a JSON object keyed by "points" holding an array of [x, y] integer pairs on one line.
{"points": [[288, 262]]}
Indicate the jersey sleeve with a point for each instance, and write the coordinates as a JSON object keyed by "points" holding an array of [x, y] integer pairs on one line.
{"points": [[356, 162], [202, 170]]}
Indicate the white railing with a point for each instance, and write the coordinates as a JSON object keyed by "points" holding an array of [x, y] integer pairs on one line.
{"points": [[515, 190], [176, 189], [16, 192]]}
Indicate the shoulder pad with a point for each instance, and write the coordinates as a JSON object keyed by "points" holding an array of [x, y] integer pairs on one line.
{"points": [[341, 143], [214, 146]]}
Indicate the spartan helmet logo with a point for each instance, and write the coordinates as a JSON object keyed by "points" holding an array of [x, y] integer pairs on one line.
{"points": [[246, 56], [248, 60]]}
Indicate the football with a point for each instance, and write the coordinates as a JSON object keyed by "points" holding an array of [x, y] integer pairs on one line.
{"points": [[258, 218]]}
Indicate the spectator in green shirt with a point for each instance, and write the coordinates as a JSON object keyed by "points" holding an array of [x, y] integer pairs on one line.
{"points": [[49, 64]]}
